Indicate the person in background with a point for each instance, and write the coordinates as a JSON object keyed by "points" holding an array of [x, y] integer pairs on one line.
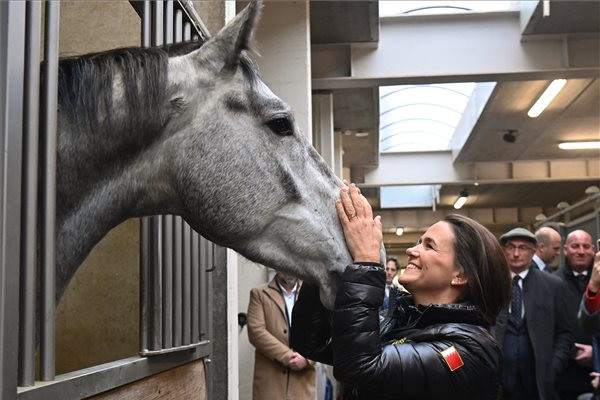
{"points": [[534, 331], [391, 270], [589, 319], [280, 373], [579, 254], [547, 248], [436, 343]]}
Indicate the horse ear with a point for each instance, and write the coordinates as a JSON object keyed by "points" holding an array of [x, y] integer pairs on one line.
{"points": [[223, 50]]}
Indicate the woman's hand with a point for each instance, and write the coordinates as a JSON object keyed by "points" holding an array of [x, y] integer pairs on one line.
{"points": [[362, 232]]}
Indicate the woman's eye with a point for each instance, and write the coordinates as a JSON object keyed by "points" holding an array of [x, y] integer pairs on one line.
{"points": [[281, 126]]}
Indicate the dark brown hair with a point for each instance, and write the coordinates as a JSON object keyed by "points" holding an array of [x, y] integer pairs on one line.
{"points": [[481, 258]]}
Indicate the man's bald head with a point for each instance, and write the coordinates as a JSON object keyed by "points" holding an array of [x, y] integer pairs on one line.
{"points": [[548, 244], [579, 250]]}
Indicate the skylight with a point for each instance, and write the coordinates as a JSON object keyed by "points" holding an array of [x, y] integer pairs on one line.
{"points": [[420, 117], [397, 8]]}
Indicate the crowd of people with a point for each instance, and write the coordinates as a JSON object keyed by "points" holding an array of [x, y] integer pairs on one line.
{"points": [[470, 316]]}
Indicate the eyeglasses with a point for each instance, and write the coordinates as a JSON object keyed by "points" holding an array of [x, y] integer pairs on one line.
{"points": [[522, 249]]}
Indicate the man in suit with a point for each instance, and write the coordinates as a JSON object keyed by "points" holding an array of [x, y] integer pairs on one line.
{"points": [[534, 331], [280, 373], [391, 270], [579, 254], [547, 248]]}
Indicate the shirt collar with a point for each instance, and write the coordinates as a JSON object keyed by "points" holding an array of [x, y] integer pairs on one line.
{"points": [[522, 274]]}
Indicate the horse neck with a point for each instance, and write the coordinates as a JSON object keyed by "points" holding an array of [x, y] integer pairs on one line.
{"points": [[99, 185]]}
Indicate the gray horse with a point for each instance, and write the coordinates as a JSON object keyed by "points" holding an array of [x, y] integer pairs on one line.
{"points": [[192, 130]]}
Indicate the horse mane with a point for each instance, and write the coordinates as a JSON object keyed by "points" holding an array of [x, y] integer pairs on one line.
{"points": [[85, 88]]}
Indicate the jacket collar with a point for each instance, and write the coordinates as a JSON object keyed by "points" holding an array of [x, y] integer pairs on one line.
{"points": [[419, 316]]}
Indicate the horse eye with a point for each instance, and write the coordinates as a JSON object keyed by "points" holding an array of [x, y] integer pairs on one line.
{"points": [[281, 126]]}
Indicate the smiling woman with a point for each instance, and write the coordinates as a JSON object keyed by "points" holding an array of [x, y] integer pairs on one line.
{"points": [[459, 281]]}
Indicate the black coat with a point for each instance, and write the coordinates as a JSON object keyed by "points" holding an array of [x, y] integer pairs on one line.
{"points": [[574, 378], [404, 359], [549, 327]]}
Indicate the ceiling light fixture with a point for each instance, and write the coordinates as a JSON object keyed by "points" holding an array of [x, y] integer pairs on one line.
{"points": [[591, 144], [546, 98], [592, 190], [462, 199], [399, 231], [361, 134], [540, 217], [562, 205]]}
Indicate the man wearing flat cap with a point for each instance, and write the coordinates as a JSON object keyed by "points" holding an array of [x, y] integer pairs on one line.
{"points": [[535, 332]]}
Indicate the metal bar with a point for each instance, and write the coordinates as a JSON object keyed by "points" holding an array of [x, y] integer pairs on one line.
{"points": [[177, 284], [155, 275], [91, 381], [12, 45], [48, 218], [155, 286], [206, 259], [168, 22], [173, 349], [167, 272], [29, 197], [178, 26], [195, 278], [187, 31], [145, 221], [157, 22], [565, 211], [199, 27], [187, 285]]}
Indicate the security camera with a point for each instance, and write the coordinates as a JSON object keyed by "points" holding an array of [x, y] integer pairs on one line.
{"points": [[510, 135]]}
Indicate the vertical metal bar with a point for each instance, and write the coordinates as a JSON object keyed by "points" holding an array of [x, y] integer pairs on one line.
{"points": [[155, 275], [12, 44], [48, 245], [29, 197], [177, 284], [187, 285], [168, 22], [167, 272], [145, 221], [187, 31], [204, 250], [157, 22], [178, 27], [195, 261]]}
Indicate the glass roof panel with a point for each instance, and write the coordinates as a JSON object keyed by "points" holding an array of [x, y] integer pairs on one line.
{"points": [[408, 196], [396, 8], [420, 117]]}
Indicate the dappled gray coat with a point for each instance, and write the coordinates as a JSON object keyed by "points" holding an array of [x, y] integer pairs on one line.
{"points": [[268, 331]]}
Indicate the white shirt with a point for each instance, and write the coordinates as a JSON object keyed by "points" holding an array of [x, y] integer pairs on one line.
{"points": [[290, 300], [539, 262], [522, 275]]}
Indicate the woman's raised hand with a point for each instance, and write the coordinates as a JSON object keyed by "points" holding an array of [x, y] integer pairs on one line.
{"points": [[362, 232]]}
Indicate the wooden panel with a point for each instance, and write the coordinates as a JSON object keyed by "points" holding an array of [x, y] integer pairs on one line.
{"points": [[184, 382]]}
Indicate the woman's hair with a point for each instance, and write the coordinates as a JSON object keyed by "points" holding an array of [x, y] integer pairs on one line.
{"points": [[481, 258]]}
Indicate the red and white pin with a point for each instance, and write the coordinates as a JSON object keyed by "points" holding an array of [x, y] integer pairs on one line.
{"points": [[452, 358]]}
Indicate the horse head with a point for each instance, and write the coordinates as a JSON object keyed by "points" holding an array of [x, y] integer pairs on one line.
{"points": [[198, 134], [248, 178]]}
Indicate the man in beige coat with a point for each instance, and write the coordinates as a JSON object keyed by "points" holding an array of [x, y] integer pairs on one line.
{"points": [[279, 372]]}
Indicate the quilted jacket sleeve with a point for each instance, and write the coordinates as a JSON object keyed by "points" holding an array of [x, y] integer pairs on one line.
{"points": [[310, 332], [412, 369]]}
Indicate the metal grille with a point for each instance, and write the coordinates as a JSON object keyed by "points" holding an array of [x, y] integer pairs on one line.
{"points": [[175, 260]]}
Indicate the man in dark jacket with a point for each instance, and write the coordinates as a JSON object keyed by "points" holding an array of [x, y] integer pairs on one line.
{"points": [[579, 253], [534, 332]]}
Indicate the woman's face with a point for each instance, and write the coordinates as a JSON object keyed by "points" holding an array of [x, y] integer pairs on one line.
{"points": [[431, 267]]}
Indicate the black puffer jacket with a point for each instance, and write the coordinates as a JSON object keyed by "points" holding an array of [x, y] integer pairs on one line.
{"points": [[399, 356]]}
